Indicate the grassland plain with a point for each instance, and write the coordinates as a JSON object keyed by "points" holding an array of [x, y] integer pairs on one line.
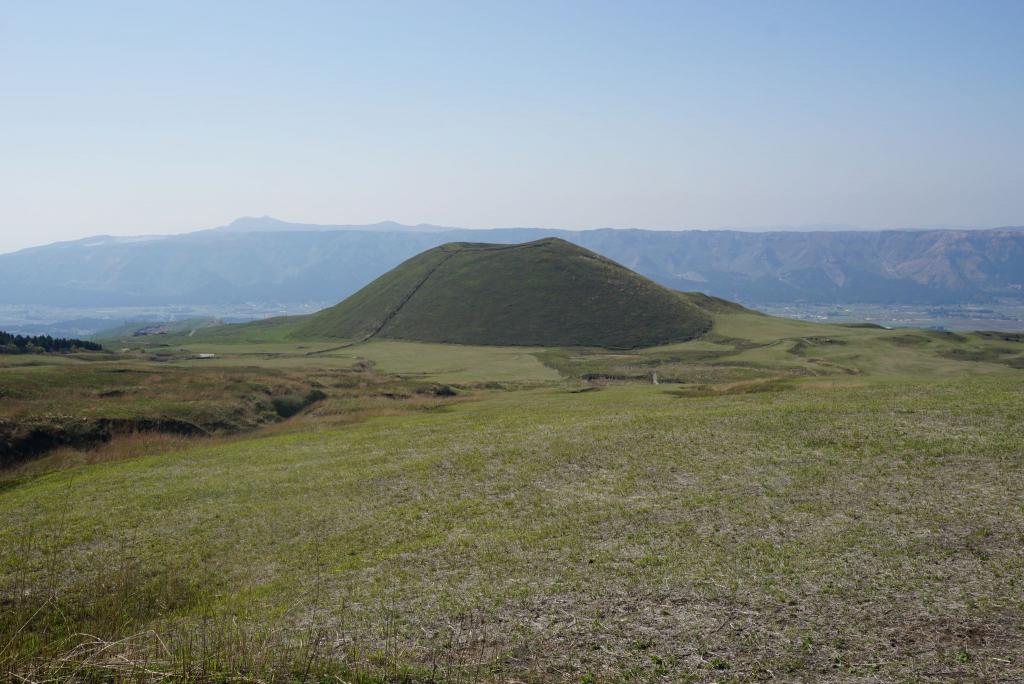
{"points": [[798, 502], [741, 344], [847, 533], [436, 362]]}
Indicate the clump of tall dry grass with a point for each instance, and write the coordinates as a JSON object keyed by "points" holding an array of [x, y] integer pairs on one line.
{"points": [[114, 621]]}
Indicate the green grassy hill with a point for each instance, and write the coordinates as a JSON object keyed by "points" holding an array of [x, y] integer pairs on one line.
{"points": [[543, 293]]}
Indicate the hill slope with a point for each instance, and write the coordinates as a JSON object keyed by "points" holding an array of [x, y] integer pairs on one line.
{"points": [[543, 293]]}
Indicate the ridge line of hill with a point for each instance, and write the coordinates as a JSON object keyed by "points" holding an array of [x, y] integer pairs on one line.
{"points": [[448, 254], [390, 315]]}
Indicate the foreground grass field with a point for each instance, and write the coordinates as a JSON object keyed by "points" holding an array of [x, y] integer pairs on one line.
{"points": [[859, 529], [793, 501]]}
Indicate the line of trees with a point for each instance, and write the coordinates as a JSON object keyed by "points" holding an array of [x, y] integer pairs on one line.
{"points": [[41, 344]]}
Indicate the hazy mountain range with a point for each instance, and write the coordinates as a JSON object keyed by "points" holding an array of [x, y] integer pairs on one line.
{"points": [[266, 260]]}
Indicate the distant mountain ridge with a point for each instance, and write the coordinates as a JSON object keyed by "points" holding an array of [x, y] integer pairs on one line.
{"points": [[269, 224], [266, 260]]}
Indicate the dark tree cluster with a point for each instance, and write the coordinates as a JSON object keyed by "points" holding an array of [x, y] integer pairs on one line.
{"points": [[41, 344]]}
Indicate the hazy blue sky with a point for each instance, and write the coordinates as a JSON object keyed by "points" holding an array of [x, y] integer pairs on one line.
{"points": [[141, 117]]}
